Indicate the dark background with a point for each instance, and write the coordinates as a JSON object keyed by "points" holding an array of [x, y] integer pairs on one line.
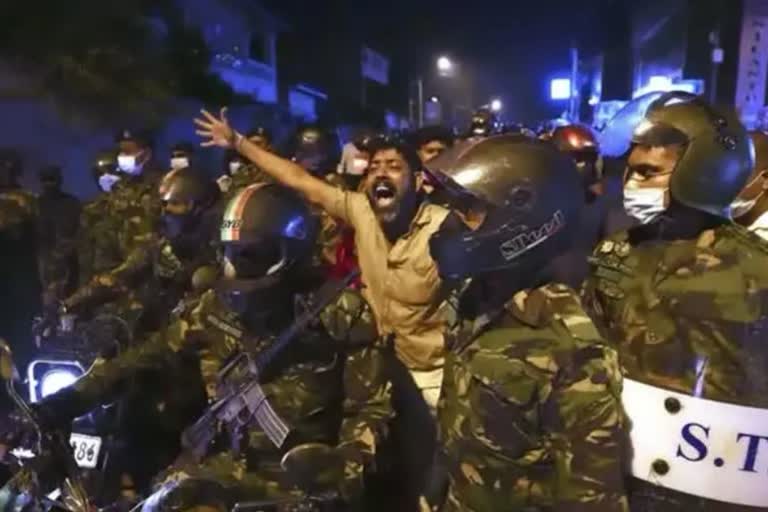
{"points": [[504, 49]]}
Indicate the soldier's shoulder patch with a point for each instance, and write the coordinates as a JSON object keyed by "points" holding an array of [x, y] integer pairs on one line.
{"points": [[615, 243]]}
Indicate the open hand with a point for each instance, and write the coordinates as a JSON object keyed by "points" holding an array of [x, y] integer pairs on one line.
{"points": [[215, 132]]}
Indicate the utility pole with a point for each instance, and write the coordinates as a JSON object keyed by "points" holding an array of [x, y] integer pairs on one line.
{"points": [[420, 94], [717, 59], [573, 107]]}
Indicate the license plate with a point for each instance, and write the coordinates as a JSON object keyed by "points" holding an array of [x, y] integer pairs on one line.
{"points": [[85, 450]]}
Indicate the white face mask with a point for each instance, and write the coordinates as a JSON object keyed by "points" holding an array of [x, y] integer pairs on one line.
{"points": [[107, 181], [224, 182], [760, 226], [644, 204], [179, 162], [129, 164], [235, 166], [739, 207]]}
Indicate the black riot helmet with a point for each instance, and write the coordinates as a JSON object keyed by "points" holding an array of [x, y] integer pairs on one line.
{"points": [[581, 144], [531, 193], [483, 124], [312, 150], [266, 232], [616, 137], [186, 195], [717, 156]]}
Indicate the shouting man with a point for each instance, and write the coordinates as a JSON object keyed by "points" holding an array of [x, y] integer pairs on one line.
{"points": [[393, 224]]}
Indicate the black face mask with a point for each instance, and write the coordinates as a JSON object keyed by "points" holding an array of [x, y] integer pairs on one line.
{"points": [[256, 301], [174, 226]]}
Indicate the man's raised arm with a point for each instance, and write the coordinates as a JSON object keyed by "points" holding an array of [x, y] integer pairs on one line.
{"points": [[218, 132]]}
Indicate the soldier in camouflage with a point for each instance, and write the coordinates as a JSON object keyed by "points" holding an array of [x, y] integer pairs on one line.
{"points": [[98, 247], [530, 416], [157, 271], [684, 297], [241, 173], [328, 387]]}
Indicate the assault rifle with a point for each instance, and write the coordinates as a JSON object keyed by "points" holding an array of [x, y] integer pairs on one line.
{"points": [[243, 398]]}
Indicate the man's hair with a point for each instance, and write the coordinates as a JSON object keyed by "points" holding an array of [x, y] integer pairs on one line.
{"points": [[429, 134], [405, 150]]}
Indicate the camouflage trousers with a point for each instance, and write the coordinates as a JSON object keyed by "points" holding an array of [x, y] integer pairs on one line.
{"points": [[218, 482]]}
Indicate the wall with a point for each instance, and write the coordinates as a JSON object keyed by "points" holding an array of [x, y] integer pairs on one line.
{"points": [[228, 30]]}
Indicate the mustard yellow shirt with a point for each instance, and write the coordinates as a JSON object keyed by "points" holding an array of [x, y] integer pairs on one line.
{"points": [[400, 280]]}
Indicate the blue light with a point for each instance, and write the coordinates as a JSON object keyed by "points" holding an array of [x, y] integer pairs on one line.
{"points": [[660, 83], [296, 229], [560, 88]]}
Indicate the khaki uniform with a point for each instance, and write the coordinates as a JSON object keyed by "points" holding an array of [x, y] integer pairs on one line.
{"points": [[400, 280]]}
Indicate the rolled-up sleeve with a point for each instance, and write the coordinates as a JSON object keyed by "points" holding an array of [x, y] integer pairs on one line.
{"points": [[347, 206]]}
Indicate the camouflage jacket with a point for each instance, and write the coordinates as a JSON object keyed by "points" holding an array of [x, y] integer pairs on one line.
{"points": [[114, 225], [134, 202], [330, 387], [98, 244], [530, 417], [688, 315], [151, 280]]}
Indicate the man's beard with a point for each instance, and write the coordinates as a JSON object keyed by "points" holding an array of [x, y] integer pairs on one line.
{"points": [[386, 200]]}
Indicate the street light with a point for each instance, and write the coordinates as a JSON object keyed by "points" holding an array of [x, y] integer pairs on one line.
{"points": [[445, 68], [434, 99], [496, 105], [444, 64]]}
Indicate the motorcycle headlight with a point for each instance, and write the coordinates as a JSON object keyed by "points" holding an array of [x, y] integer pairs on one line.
{"points": [[46, 377], [56, 380]]}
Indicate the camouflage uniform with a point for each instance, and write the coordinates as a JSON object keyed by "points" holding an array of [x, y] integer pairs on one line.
{"points": [[114, 230], [688, 316], [529, 415], [332, 369], [150, 281], [98, 248], [135, 202]]}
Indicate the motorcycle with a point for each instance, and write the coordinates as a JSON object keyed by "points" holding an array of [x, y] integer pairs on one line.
{"points": [[49, 479], [63, 358]]}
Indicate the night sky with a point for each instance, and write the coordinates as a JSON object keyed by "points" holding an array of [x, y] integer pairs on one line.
{"points": [[507, 49]]}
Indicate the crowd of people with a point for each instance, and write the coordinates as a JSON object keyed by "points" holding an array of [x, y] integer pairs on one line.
{"points": [[518, 313]]}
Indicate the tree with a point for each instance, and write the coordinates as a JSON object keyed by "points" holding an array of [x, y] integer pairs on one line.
{"points": [[106, 60]]}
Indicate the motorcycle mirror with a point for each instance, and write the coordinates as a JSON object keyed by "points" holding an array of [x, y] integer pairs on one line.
{"points": [[7, 368], [312, 466]]}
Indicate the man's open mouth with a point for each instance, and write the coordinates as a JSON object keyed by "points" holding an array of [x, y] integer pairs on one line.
{"points": [[384, 194]]}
